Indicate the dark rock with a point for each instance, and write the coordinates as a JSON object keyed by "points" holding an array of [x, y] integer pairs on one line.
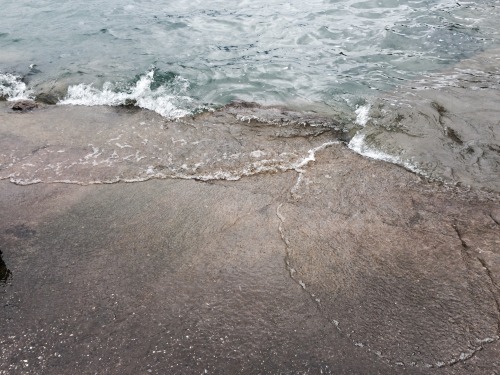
{"points": [[242, 104], [4, 271], [24, 105], [130, 103]]}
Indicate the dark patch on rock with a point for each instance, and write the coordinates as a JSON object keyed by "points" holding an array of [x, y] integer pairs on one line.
{"points": [[242, 104], [415, 219], [4, 271], [495, 216], [439, 108], [452, 134], [399, 117], [21, 231], [24, 105], [495, 148]]}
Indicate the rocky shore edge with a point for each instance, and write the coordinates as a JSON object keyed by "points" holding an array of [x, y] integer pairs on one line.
{"points": [[340, 265]]}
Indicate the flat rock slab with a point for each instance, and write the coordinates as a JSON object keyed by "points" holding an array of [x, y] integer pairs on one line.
{"points": [[167, 276], [338, 264], [407, 270]]}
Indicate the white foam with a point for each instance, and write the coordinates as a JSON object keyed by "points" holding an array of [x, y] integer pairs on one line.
{"points": [[24, 182], [362, 117], [311, 155], [12, 88], [158, 100], [252, 169], [358, 145]]}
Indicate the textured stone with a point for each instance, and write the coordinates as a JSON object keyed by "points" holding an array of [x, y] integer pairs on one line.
{"points": [[338, 265], [24, 105]]}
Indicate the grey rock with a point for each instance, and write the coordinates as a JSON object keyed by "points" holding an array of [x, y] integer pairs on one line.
{"points": [[47, 98], [341, 265]]}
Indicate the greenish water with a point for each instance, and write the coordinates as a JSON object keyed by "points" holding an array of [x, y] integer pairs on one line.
{"points": [[176, 56]]}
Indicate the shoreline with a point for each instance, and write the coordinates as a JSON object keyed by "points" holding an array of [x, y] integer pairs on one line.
{"points": [[442, 127]]}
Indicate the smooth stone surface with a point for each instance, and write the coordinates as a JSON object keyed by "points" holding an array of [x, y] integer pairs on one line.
{"points": [[342, 265]]}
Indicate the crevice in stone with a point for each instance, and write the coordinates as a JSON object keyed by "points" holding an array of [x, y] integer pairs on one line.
{"points": [[494, 219], [292, 272], [464, 249], [291, 135], [468, 258], [459, 235], [281, 231], [493, 287], [293, 275], [463, 357], [448, 132]]}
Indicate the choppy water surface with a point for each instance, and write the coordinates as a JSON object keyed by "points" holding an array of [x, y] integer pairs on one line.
{"points": [[322, 52]]}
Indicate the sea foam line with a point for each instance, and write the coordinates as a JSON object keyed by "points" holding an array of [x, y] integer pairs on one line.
{"points": [[252, 169], [359, 146]]}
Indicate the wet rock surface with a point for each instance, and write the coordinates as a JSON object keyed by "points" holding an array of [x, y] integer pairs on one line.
{"points": [[105, 144], [167, 276], [334, 264], [403, 268]]}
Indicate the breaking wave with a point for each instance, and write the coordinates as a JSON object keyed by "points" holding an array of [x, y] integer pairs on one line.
{"points": [[162, 93], [13, 88]]}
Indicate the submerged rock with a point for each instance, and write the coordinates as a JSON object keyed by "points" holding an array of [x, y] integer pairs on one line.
{"points": [[47, 98]]}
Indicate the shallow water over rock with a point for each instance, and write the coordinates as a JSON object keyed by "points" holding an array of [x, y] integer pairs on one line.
{"points": [[445, 127], [104, 145]]}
